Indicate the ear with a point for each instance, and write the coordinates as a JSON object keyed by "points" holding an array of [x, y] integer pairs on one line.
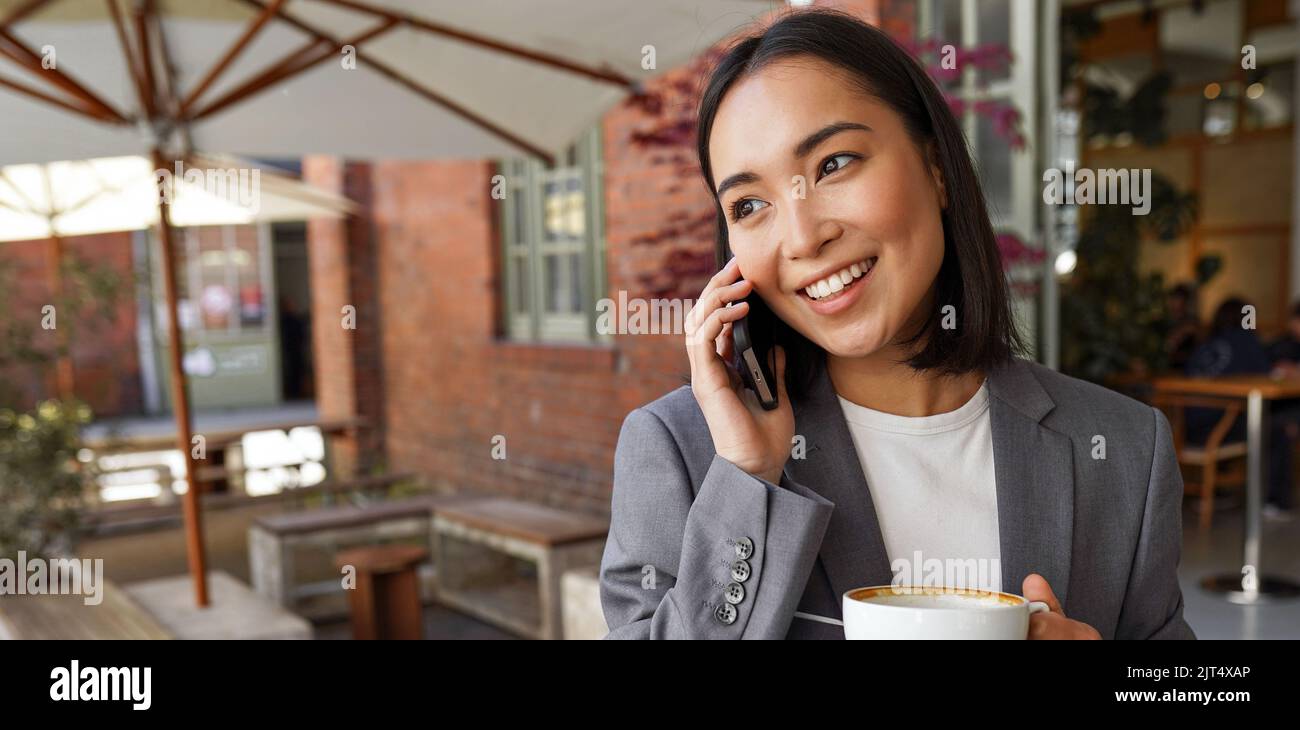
{"points": [[932, 155]]}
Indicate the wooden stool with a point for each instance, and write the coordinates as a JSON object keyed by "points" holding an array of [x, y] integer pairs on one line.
{"points": [[386, 601]]}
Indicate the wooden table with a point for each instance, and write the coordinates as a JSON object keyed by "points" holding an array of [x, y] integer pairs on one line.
{"points": [[1250, 585], [476, 544]]}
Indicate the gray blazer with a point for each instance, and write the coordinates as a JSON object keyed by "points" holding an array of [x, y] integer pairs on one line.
{"points": [[1105, 533]]}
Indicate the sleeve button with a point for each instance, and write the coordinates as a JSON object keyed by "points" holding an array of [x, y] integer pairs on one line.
{"points": [[740, 571], [725, 613]]}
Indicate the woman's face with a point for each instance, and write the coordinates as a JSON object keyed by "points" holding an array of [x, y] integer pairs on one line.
{"points": [[815, 179]]}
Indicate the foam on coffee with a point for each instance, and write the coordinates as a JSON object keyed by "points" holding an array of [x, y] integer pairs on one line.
{"points": [[935, 597]]}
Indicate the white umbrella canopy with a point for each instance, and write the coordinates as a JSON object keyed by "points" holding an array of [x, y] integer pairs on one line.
{"points": [[432, 79], [83, 197]]}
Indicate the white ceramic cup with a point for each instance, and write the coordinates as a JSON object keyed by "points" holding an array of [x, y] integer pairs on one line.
{"points": [[935, 612]]}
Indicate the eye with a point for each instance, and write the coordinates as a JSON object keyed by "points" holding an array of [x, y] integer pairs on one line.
{"points": [[744, 207], [834, 164]]}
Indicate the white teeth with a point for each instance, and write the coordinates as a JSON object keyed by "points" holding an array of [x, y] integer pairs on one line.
{"points": [[838, 281]]}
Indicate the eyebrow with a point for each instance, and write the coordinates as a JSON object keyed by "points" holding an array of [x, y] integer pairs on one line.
{"points": [[808, 144]]}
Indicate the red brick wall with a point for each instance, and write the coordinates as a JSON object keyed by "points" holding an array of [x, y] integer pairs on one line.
{"points": [[449, 382], [105, 361]]}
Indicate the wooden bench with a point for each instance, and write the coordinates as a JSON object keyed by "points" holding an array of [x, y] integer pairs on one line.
{"points": [[273, 539], [478, 545], [68, 617]]}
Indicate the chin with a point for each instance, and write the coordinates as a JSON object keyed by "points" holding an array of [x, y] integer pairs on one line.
{"points": [[856, 343]]}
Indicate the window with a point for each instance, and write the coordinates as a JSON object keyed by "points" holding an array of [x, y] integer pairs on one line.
{"points": [[1007, 175], [222, 277], [553, 245]]}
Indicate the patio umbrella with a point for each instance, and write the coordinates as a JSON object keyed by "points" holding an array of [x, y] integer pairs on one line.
{"points": [[54, 200], [360, 78], [85, 197]]}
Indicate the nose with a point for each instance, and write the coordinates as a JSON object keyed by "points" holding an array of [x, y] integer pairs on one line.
{"points": [[807, 230]]}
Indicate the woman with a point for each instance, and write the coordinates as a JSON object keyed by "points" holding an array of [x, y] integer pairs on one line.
{"points": [[908, 439]]}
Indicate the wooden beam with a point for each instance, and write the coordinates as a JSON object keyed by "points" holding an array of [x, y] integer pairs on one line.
{"points": [[295, 63], [607, 76], [31, 60], [22, 11], [150, 84], [42, 96], [428, 94], [128, 52], [230, 55]]}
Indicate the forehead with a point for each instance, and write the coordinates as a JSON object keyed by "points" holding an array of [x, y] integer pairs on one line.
{"points": [[764, 114]]}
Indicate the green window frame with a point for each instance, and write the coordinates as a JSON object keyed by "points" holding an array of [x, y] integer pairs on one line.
{"points": [[553, 244]]}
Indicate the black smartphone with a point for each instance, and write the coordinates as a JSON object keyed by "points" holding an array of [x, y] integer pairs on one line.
{"points": [[752, 346]]}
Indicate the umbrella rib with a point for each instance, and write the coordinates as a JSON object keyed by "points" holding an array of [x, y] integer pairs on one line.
{"points": [[42, 96], [229, 57], [22, 11], [31, 60], [419, 90], [607, 76], [141, 18], [32, 207], [128, 53], [291, 65]]}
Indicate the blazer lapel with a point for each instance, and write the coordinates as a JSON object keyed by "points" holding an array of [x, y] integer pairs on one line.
{"points": [[1033, 468], [853, 550]]}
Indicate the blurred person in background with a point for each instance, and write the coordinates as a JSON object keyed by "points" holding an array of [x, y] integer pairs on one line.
{"points": [[1234, 349], [1184, 327]]}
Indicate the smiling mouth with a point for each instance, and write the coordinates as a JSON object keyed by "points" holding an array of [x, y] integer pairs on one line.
{"points": [[835, 285]]}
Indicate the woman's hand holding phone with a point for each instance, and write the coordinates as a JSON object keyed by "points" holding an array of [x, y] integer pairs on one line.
{"points": [[755, 440]]}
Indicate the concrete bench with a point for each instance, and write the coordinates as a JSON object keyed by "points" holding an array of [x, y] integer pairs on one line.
{"points": [[273, 540], [479, 547]]}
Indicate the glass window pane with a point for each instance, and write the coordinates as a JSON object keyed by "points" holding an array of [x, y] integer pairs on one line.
{"points": [[993, 153], [575, 282], [248, 263], [993, 29]]}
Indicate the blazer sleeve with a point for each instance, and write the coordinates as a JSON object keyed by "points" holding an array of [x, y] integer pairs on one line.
{"points": [[669, 559], [1153, 601]]}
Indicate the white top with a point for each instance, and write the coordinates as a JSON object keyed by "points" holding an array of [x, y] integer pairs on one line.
{"points": [[934, 490]]}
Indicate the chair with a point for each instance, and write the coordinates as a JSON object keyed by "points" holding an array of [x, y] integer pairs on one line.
{"points": [[1209, 456]]}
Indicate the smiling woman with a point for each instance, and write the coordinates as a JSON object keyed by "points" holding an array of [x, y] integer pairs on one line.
{"points": [[853, 234]]}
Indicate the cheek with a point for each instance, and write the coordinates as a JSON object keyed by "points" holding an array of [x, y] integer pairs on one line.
{"points": [[757, 258], [898, 210]]}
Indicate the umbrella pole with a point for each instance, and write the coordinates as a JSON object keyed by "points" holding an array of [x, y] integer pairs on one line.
{"points": [[181, 402], [63, 376]]}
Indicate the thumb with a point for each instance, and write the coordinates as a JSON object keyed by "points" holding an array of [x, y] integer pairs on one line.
{"points": [[1036, 588]]}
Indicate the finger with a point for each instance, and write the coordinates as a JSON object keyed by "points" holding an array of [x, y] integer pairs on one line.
{"points": [[725, 344], [721, 297], [729, 275], [711, 328], [708, 371], [1035, 588]]}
